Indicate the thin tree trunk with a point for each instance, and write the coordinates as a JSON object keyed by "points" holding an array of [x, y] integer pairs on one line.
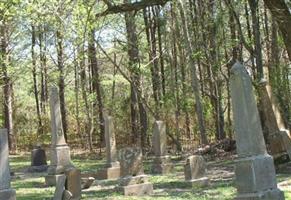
{"points": [[133, 54], [195, 81], [96, 84], [33, 38], [61, 82], [7, 88]]}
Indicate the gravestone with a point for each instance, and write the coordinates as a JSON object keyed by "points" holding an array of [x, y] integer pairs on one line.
{"points": [[73, 183], [112, 168], [133, 181], [255, 171], [278, 135], [195, 170], [38, 160], [162, 162], [68, 185], [6, 193], [60, 151]]}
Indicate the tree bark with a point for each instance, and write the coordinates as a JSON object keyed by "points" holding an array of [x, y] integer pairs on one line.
{"points": [[281, 13], [96, 84], [7, 87], [33, 42], [195, 81], [61, 83]]}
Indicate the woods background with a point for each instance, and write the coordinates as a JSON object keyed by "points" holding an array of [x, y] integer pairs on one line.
{"points": [[138, 62]]}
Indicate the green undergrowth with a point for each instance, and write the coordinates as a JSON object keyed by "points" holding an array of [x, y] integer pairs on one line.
{"points": [[172, 186]]}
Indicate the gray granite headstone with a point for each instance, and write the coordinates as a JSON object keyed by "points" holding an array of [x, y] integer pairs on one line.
{"points": [[162, 162], [60, 151], [133, 180], [195, 171], [255, 171], [131, 161], [73, 183], [112, 168], [6, 193]]}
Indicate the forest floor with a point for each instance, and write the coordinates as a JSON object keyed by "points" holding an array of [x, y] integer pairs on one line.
{"points": [[220, 171]]}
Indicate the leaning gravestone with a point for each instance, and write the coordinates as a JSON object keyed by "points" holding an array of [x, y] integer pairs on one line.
{"points": [[194, 171], [133, 181], [162, 162], [60, 152], [278, 137], [38, 160], [68, 185], [255, 171], [6, 193], [73, 183], [112, 168]]}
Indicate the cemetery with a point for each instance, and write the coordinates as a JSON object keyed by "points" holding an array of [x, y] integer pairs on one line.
{"points": [[145, 99]]}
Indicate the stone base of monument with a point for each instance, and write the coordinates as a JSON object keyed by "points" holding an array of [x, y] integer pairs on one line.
{"points": [[51, 180], [60, 155], [279, 148], [136, 186], [108, 173], [138, 189], [200, 182], [162, 165], [265, 195], [7, 194], [38, 169], [255, 176]]}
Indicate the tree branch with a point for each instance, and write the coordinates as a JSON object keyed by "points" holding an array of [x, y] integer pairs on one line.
{"points": [[126, 7]]}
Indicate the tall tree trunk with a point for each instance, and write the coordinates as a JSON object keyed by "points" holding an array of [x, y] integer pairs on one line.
{"points": [[195, 81], [151, 29], [43, 70], [88, 123], [96, 83], [7, 87], [133, 55], [281, 13], [33, 42], [60, 52]]}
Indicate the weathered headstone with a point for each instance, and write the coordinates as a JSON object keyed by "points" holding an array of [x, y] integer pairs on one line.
{"points": [[112, 168], [255, 171], [133, 181], [162, 162], [195, 170], [68, 185], [6, 193], [73, 183], [38, 160], [278, 135], [60, 152]]}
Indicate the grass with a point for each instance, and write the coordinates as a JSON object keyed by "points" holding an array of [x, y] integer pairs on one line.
{"points": [[172, 186]]}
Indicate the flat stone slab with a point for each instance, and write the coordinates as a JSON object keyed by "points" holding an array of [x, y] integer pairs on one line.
{"points": [[274, 194], [8, 194], [138, 189], [200, 182], [133, 180]]}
